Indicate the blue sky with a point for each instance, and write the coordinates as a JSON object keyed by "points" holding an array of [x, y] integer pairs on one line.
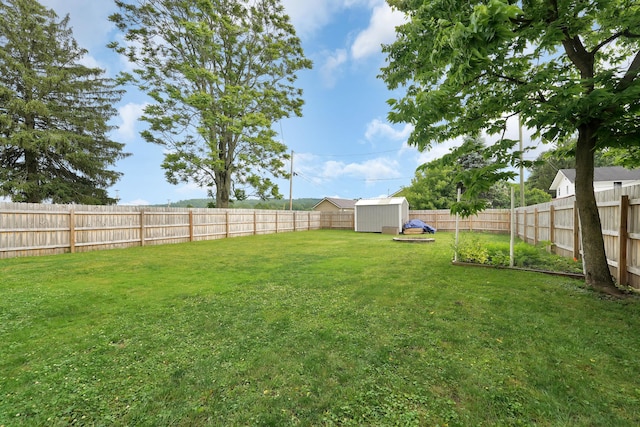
{"points": [[343, 145]]}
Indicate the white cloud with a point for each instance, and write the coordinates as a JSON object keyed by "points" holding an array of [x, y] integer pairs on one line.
{"points": [[382, 129], [381, 30], [136, 202], [370, 170], [192, 190], [310, 16], [332, 66], [88, 19], [437, 151], [129, 114]]}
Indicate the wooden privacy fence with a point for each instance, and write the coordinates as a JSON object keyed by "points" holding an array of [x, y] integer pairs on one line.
{"points": [[490, 220], [41, 229], [557, 223]]}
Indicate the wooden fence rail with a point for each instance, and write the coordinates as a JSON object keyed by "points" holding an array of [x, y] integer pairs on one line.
{"points": [[41, 229]]}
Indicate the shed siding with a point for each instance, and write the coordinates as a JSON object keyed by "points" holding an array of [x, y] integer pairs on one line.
{"points": [[371, 218]]}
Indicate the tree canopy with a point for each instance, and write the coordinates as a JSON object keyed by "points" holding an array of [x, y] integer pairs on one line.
{"points": [[54, 112], [566, 67], [219, 74], [436, 183]]}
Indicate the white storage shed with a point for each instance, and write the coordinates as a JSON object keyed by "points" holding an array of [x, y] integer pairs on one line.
{"points": [[373, 214]]}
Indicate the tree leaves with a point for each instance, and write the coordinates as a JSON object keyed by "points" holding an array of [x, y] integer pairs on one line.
{"points": [[221, 74], [54, 112]]}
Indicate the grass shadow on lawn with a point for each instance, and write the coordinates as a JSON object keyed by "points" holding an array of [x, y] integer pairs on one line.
{"points": [[311, 328]]}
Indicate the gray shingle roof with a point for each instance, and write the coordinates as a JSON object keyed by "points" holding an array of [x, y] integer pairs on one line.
{"points": [[339, 203], [607, 173]]}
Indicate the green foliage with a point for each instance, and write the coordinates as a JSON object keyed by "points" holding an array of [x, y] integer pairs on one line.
{"points": [[220, 75], [565, 67], [271, 204], [544, 169], [54, 112], [475, 249], [321, 328], [436, 183]]}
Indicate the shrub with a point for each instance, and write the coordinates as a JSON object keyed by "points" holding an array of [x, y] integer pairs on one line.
{"points": [[472, 249]]}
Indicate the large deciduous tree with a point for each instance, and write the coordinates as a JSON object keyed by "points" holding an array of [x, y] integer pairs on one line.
{"points": [[220, 74], [567, 67], [54, 112]]}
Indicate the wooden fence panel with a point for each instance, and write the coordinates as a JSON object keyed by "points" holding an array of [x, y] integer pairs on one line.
{"points": [[41, 229], [337, 220], [491, 220]]}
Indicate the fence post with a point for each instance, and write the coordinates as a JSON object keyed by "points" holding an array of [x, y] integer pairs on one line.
{"points": [[227, 226], [576, 232], [535, 226], [142, 227], [552, 228], [525, 231], [72, 231], [191, 225], [255, 223], [276, 222], [294, 221], [622, 240]]}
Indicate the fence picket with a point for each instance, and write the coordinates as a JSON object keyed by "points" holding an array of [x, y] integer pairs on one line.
{"points": [[42, 229]]}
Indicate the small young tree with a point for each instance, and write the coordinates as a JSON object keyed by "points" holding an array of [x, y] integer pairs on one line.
{"points": [[220, 74], [53, 112], [567, 67]]}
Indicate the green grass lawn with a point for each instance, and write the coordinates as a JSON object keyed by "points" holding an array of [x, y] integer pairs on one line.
{"points": [[311, 328]]}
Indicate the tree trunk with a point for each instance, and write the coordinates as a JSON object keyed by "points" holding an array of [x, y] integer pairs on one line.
{"points": [[223, 189], [597, 273], [32, 190]]}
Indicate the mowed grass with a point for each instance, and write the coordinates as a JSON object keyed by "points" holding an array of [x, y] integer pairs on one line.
{"points": [[311, 328]]}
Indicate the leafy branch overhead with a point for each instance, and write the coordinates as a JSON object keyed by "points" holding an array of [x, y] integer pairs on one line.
{"points": [[220, 74], [569, 69]]}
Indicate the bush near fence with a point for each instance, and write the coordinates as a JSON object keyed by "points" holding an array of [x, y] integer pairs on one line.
{"points": [[42, 229]]}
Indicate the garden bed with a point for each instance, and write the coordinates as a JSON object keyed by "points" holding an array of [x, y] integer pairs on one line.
{"points": [[471, 250], [534, 270], [414, 239]]}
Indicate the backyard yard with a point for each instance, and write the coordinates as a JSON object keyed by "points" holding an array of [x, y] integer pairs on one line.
{"points": [[309, 328]]}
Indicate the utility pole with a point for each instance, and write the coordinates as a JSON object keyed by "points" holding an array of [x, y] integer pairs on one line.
{"points": [[521, 162], [291, 184]]}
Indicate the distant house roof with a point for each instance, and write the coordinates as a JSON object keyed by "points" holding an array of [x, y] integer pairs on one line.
{"points": [[339, 203], [607, 173]]}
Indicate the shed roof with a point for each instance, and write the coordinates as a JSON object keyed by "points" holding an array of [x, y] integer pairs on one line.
{"points": [[381, 202]]}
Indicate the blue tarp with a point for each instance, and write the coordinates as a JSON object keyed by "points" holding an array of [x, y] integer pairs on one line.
{"points": [[416, 223]]}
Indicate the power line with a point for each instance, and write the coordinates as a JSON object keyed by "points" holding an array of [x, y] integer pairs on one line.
{"points": [[356, 155]]}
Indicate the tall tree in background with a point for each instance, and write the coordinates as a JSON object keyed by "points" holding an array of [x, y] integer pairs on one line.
{"points": [[220, 73], [567, 67], [435, 184], [53, 112]]}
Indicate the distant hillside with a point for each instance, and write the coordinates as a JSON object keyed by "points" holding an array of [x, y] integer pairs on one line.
{"points": [[272, 204]]}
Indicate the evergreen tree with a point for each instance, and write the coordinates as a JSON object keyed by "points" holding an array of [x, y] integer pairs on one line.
{"points": [[53, 112]]}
